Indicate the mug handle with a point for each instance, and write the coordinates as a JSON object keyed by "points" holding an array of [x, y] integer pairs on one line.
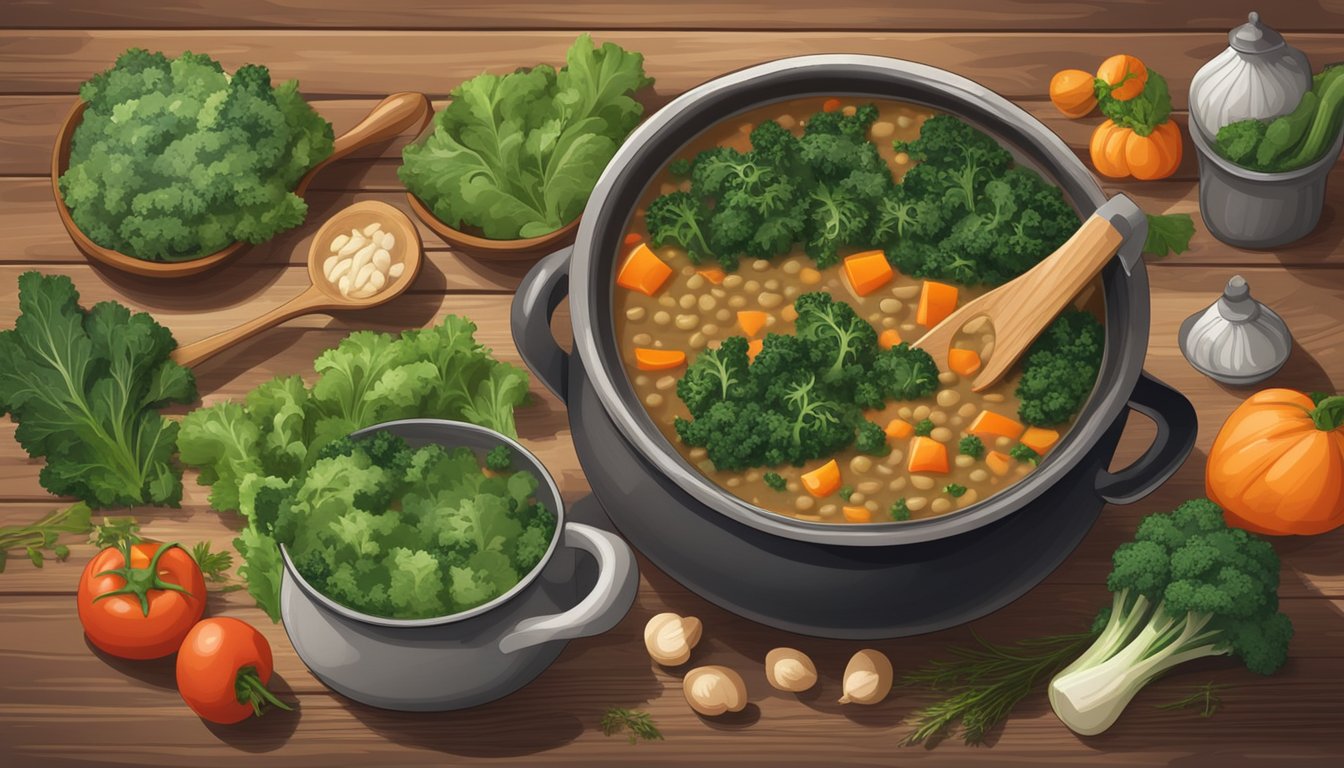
{"points": [[603, 607]]}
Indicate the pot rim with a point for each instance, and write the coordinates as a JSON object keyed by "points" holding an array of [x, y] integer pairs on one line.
{"points": [[448, 429], [1122, 359], [1206, 151]]}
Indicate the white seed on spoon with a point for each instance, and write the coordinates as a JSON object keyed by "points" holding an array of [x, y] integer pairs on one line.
{"points": [[371, 228], [342, 268], [339, 243], [388, 241], [396, 269], [364, 256], [377, 280], [352, 245], [362, 276], [382, 260], [329, 265], [344, 285]]}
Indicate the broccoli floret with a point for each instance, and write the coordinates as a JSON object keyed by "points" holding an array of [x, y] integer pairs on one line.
{"points": [[716, 375], [775, 144], [1060, 368], [775, 481], [1025, 454], [1187, 587], [845, 492], [837, 336], [903, 373], [900, 510], [924, 427], [872, 439], [954, 490], [499, 458], [835, 218], [972, 446], [681, 167]]}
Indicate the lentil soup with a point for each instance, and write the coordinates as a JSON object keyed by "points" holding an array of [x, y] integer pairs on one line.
{"points": [[696, 306]]}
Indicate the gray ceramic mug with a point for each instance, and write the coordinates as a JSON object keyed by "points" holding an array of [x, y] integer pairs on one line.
{"points": [[476, 656]]}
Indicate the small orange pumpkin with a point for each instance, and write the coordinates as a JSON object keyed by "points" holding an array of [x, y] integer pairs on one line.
{"points": [[1277, 465], [1118, 151]]}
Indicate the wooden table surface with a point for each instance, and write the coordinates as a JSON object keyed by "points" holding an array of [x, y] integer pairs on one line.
{"points": [[60, 703]]}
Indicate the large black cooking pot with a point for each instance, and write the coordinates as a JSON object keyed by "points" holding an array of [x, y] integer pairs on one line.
{"points": [[848, 581]]}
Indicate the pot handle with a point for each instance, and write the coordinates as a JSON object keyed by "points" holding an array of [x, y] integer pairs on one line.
{"points": [[603, 607], [1177, 425], [537, 297]]}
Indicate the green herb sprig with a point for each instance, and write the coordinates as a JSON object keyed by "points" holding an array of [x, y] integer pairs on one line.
{"points": [[42, 536], [1206, 698], [634, 724]]}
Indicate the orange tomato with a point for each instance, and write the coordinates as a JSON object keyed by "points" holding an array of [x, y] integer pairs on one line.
{"points": [[1277, 465]]}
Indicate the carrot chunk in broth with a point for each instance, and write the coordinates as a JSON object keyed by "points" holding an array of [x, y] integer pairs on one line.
{"points": [[754, 348], [647, 359], [898, 429], [998, 462], [822, 481], [643, 271], [992, 424], [858, 514], [936, 301], [1039, 439], [752, 321], [927, 455], [888, 338], [712, 274], [868, 271], [963, 362]]}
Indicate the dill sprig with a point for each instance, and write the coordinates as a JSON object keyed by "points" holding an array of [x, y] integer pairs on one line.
{"points": [[984, 683], [1206, 698], [635, 724]]}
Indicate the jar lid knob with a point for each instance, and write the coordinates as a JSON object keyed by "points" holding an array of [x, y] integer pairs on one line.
{"points": [[1237, 306], [1254, 37]]}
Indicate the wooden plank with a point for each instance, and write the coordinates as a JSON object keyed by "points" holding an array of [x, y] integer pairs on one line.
{"points": [[854, 15], [1018, 65], [131, 710]]}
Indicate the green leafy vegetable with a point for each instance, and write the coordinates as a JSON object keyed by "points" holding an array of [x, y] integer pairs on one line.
{"points": [[1025, 454], [845, 492], [1060, 368], [1169, 233], [900, 510], [1186, 587], [85, 388], [775, 480], [213, 565], [499, 458], [924, 427], [115, 532], [174, 159], [803, 396], [44, 534], [634, 724], [254, 454], [972, 446], [406, 534], [955, 490], [1143, 113], [517, 155]]}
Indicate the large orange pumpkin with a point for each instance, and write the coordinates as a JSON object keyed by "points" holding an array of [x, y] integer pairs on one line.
{"points": [[1277, 465]]}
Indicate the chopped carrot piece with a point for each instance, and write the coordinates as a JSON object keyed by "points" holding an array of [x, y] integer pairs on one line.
{"points": [[1039, 439], [995, 425], [899, 430], [788, 313], [963, 361], [858, 514], [822, 481], [936, 301], [997, 462], [633, 238], [751, 321], [643, 271], [927, 455], [888, 338], [712, 274], [868, 271], [647, 359], [754, 348], [830, 105], [809, 276]]}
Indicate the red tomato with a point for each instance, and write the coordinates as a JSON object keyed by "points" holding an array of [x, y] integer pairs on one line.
{"points": [[222, 671], [143, 609]]}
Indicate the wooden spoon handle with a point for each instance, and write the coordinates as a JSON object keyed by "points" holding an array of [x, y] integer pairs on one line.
{"points": [[200, 351], [1029, 303], [391, 117]]}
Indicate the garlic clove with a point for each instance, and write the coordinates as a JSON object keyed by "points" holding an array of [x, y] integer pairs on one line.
{"points": [[329, 265], [867, 678], [396, 270], [382, 259], [714, 690], [790, 670], [370, 229], [339, 243], [669, 638]]}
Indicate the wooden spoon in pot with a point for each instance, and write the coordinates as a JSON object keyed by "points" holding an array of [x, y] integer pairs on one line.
{"points": [[323, 295], [1020, 309]]}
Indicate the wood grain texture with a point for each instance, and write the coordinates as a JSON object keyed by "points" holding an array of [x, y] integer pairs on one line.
{"points": [[852, 15], [1017, 65]]}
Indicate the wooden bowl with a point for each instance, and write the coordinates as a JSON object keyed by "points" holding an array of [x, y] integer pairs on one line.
{"points": [[392, 116], [501, 250]]}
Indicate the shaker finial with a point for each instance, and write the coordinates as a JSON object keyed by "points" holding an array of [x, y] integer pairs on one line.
{"points": [[1253, 17], [1236, 340]]}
